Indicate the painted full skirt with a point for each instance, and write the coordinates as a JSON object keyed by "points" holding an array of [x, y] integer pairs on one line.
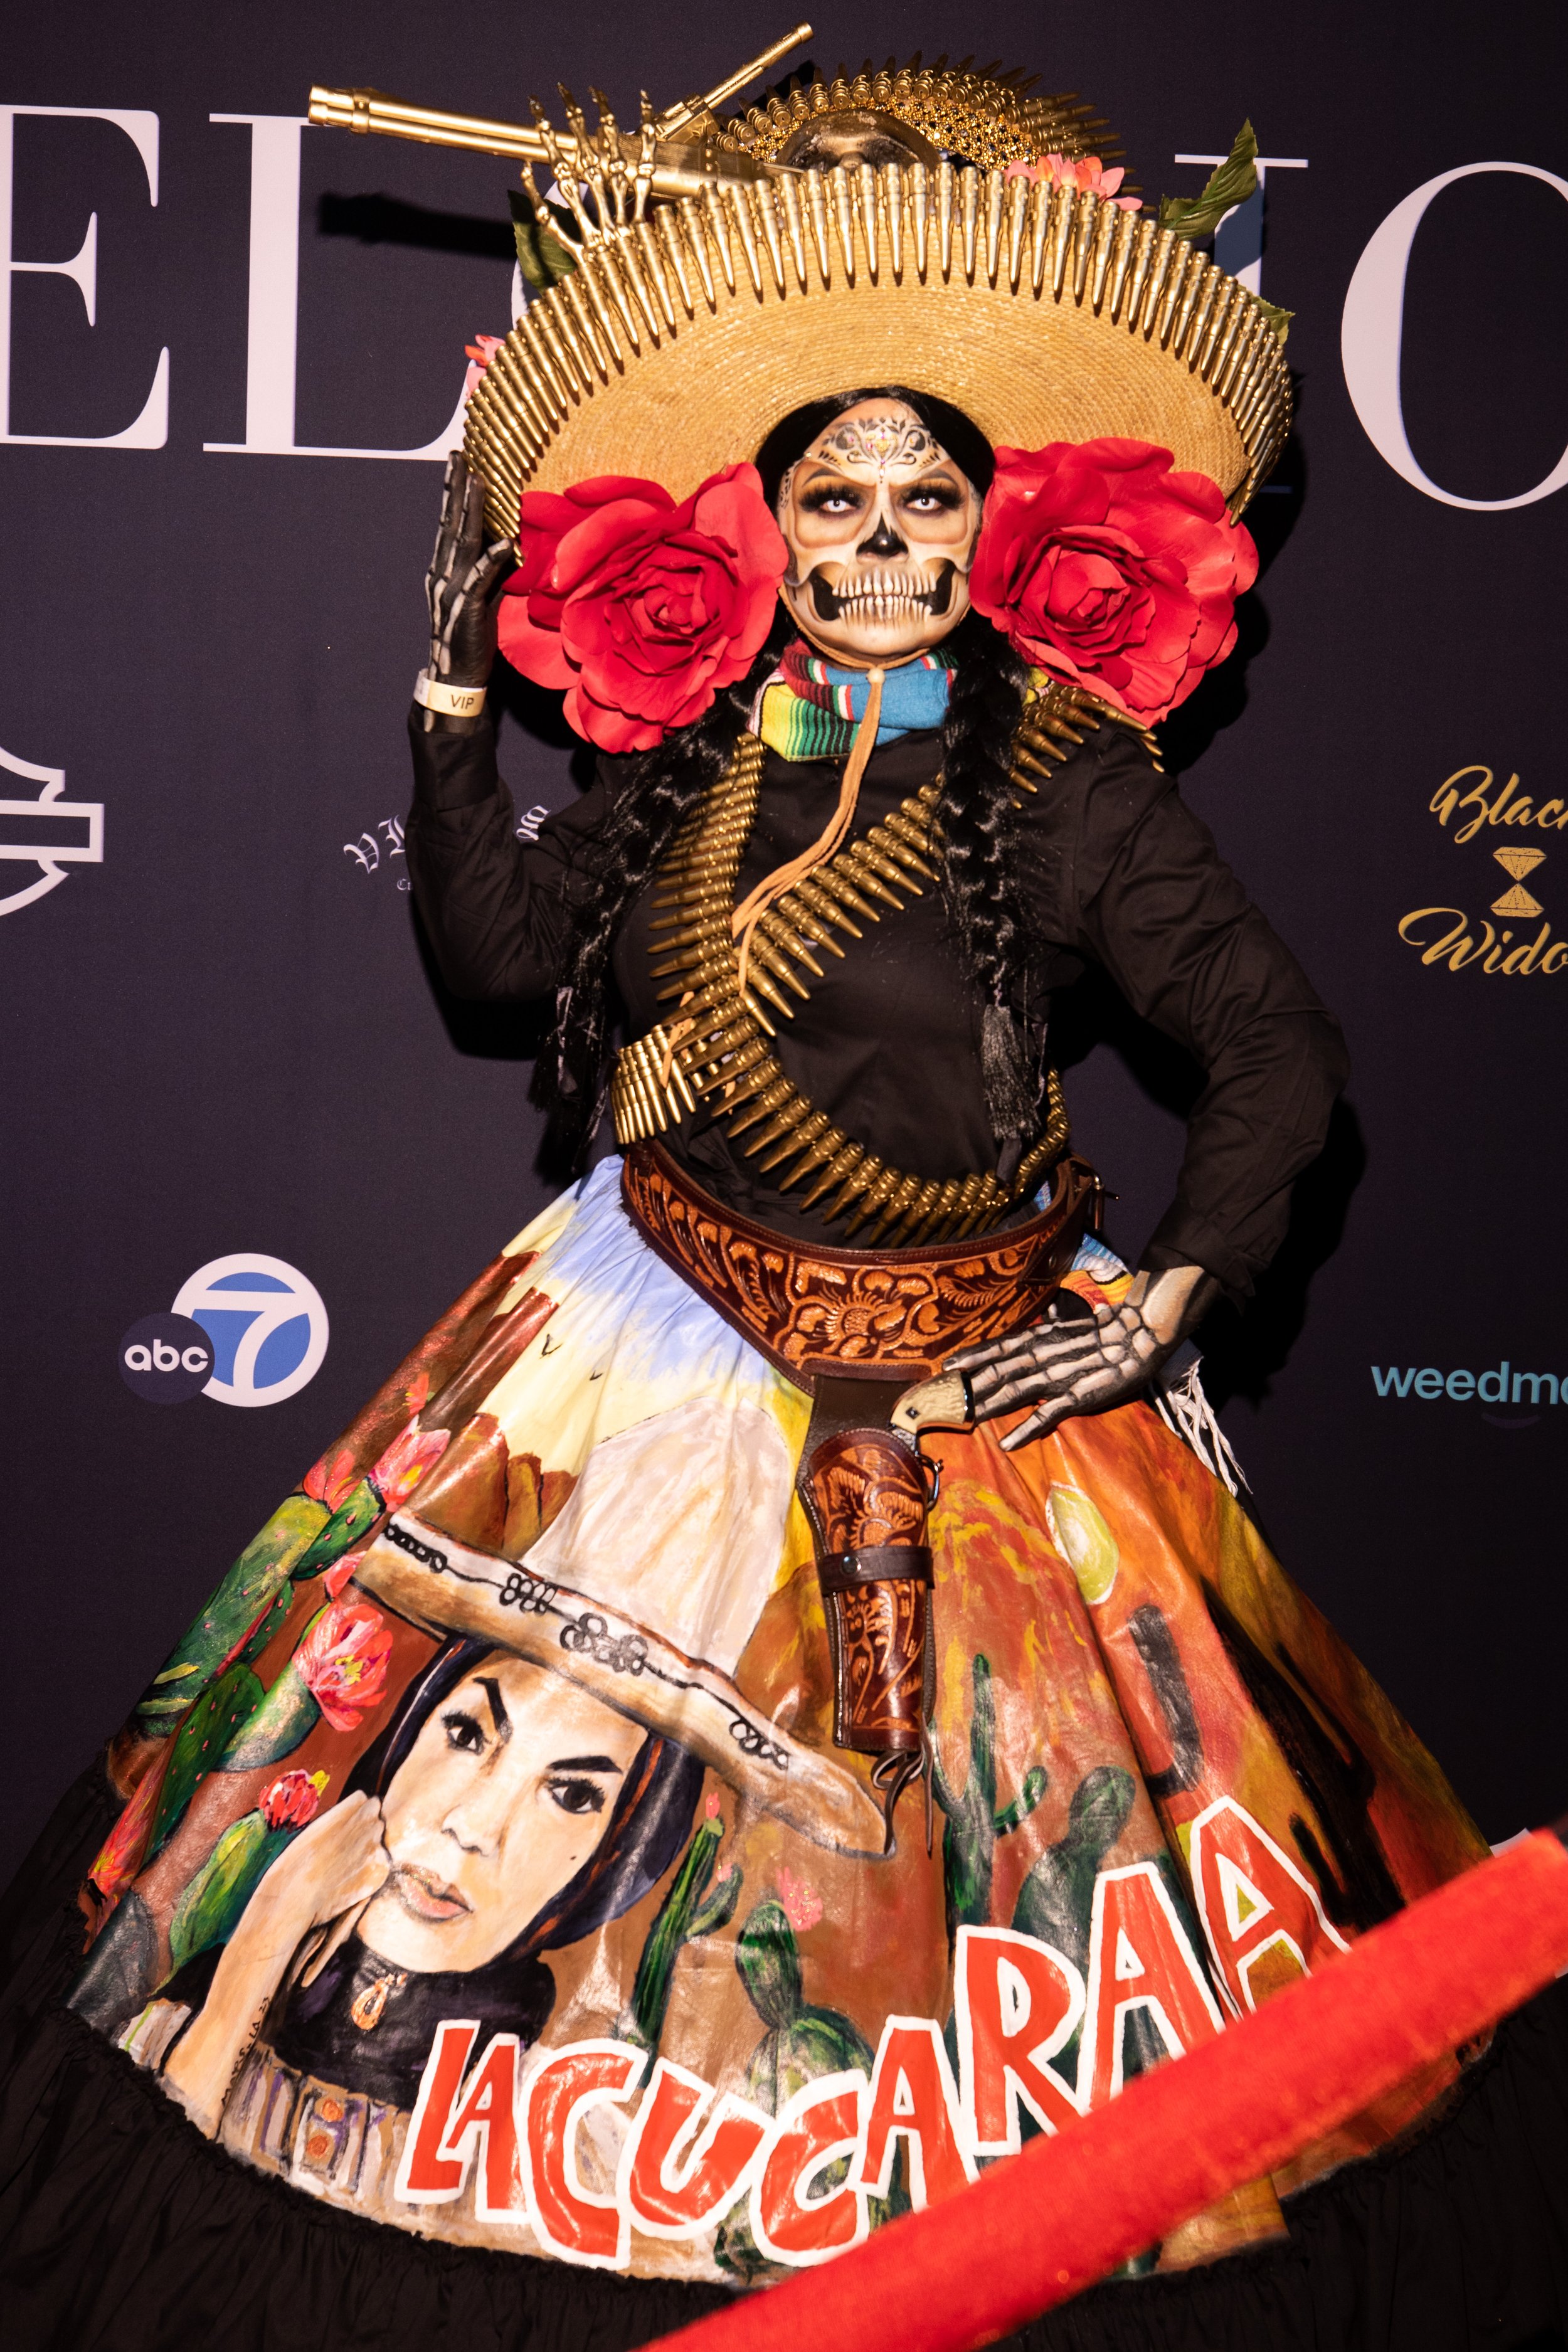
{"points": [[641, 1990]]}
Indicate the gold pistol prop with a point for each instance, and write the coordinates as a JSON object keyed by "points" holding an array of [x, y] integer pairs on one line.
{"points": [[672, 155]]}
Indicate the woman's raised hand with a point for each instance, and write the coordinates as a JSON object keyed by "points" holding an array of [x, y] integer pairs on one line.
{"points": [[330, 1869], [464, 579]]}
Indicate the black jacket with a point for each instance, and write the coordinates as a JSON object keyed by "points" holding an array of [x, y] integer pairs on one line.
{"points": [[1113, 870]]}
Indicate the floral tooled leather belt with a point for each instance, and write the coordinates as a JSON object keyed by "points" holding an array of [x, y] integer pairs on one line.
{"points": [[869, 1315]]}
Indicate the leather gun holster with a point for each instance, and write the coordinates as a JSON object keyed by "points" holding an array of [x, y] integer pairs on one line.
{"points": [[865, 1490]]}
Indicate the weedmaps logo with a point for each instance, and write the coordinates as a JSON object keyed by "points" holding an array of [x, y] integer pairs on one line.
{"points": [[1499, 1384], [245, 1329]]}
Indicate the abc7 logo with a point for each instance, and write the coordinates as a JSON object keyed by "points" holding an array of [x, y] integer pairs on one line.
{"points": [[247, 1330], [165, 1358]]}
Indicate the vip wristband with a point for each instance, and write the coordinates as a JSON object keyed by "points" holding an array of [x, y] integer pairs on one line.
{"points": [[454, 701]]}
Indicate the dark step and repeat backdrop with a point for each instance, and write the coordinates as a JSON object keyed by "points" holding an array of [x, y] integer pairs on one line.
{"points": [[231, 354]]}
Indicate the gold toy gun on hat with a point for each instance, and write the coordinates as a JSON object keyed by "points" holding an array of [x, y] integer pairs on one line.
{"points": [[675, 154]]}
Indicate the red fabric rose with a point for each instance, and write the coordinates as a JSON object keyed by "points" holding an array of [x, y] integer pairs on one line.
{"points": [[639, 608], [343, 1661], [293, 1800], [1110, 571]]}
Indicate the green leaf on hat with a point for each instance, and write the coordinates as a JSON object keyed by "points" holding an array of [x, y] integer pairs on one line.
{"points": [[1231, 182], [1278, 319], [541, 255]]}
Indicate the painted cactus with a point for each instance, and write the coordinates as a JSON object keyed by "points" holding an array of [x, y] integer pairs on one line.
{"points": [[338, 1670], [696, 1905], [801, 2044], [239, 1620], [1057, 1899], [973, 1822], [802, 2041], [209, 1908]]}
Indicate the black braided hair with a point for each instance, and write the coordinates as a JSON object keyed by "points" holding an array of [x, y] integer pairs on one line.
{"points": [[976, 814], [657, 789]]}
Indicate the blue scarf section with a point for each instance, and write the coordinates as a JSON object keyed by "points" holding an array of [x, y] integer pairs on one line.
{"points": [[913, 698], [810, 707]]}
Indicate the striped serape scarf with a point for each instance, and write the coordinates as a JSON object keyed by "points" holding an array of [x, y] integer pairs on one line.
{"points": [[809, 708]]}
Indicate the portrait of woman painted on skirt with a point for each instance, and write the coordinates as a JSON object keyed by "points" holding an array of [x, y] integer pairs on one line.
{"points": [[783, 1694], [507, 1813]]}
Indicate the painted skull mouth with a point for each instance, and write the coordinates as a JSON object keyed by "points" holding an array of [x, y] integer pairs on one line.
{"points": [[882, 595]]}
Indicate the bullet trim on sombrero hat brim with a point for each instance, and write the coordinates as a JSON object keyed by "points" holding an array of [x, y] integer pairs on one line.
{"points": [[445, 1587], [1045, 313]]}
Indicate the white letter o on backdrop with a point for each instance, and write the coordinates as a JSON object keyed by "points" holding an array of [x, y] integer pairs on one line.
{"points": [[1371, 332]]}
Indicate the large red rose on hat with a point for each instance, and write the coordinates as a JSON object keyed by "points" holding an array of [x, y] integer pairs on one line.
{"points": [[1107, 568], [641, 609]]}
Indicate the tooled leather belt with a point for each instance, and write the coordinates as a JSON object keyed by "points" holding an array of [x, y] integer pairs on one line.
{"points": [[860, 1315], [855, 1327]]}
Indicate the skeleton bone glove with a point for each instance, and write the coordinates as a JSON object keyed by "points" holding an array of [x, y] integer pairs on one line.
{"points": [[1080, 1358], [462, 586]]}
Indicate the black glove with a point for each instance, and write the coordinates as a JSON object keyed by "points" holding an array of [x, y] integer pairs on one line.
{"points": [[463, 586]]}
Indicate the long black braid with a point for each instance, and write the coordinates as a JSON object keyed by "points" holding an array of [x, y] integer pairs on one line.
{"points": [[976, 814], [655, 790]]}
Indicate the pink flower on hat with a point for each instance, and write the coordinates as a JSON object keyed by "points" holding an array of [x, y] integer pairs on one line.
{"points": [[481, 352], [1085, 172]]}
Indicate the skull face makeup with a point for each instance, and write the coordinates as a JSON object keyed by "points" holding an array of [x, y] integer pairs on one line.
{"points": [[881, 525]]}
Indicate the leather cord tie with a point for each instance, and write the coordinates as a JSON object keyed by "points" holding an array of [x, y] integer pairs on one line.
{"points": [[750, 912]]}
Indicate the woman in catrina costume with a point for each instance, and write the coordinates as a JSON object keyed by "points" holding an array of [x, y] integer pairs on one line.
{"points": [[779, 1699]]}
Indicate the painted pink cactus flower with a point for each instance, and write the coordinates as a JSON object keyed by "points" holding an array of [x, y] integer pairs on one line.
{"points": [[293, 1800], [801, 1903], [405, 1462], [343, 1661]]}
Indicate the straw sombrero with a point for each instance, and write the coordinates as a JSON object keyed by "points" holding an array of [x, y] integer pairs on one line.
{"points": [[1045, 311]]}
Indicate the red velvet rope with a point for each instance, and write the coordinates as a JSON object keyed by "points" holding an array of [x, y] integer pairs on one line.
{"points": [[1042, 2226]]}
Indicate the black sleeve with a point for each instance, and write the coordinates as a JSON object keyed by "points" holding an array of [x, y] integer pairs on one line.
{"points": [[1139, 887], [494, 906]]}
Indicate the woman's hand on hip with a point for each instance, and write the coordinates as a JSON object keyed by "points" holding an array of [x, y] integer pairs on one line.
{"points": [[1080, 1359]]}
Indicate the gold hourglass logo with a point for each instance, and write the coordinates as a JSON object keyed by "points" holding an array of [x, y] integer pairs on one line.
{"points": [[1518, 863]]}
